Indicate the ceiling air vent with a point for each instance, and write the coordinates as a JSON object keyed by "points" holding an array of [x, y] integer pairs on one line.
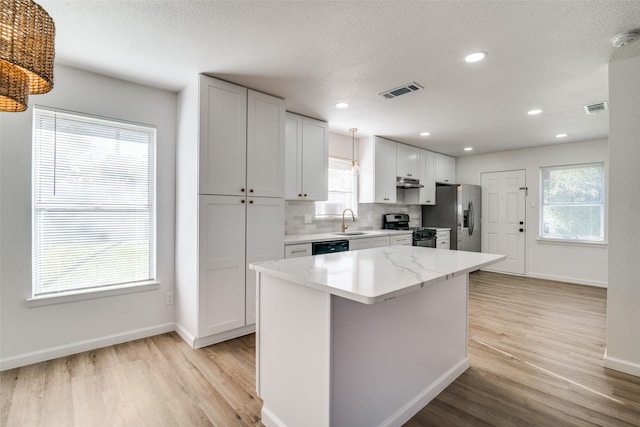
{"points": [[408, 88], [595, 108]]}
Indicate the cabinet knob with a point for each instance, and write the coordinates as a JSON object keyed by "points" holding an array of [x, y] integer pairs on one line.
{"points": [[305, 194], [250, 202], [521, 230], [428, 201], [300, 195], [242, 201], [251, 190], [242, 190]]}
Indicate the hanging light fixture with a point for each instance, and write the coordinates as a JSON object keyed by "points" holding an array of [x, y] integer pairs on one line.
{"points": [[27, 50], [355, 169]]}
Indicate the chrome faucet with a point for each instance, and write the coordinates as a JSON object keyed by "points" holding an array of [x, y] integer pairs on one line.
{"points": [[343, 228]]}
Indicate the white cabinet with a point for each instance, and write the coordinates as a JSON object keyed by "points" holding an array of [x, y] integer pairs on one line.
{"points": [[401, 239], [445, 169], [241, 141], [368, 242], [296, 251], [229, 205], [427, 194], [377, 180], [443, 240], [306, 158], [407, 161]]}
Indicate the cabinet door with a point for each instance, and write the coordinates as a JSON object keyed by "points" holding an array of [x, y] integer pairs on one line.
{"points": [[385, 171], [222, 266], [445, 169], [427, 194], [265, 242], [293, 157], [357, 244], [223, 137], [265, 145], [407, 161], [315, 159]]}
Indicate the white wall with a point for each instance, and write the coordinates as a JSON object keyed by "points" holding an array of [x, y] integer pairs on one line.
{"points": [[564, 262], [623, 295], [31, 334]]}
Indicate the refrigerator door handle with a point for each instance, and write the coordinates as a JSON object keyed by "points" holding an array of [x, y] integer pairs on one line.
{"points": [[471, 219]]}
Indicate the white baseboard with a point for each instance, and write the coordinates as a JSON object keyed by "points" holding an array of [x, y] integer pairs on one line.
{"points": [[224, 336], [185, 335], [620, 365], [269, 419], [574, 280], [82, 346], [421, 400]]}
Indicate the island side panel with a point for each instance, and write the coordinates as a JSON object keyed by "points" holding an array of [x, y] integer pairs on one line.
{"points": [[390, 359], [293, 353]]}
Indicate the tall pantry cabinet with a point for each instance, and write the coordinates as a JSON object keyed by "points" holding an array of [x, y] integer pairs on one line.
{"points": [[230, 205]]}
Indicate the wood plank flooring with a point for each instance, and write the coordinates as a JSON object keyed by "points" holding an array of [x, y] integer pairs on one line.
{"points": [[536, 360]]}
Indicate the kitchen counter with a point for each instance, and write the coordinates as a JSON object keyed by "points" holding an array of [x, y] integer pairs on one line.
{"points": [[363, 338], [374, 275], [322, 237]]}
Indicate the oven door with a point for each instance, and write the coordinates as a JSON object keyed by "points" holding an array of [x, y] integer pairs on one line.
{"points": [[427, 242]]}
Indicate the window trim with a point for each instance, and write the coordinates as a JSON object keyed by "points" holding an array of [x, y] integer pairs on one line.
{"points": [[89, 293], [573, 242]]}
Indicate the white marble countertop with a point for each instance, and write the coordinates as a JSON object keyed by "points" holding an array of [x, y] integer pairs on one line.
{"points": [[321, 237], [374, 275]]}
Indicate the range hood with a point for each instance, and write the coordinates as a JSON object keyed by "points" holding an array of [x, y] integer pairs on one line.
{"points": [[408, 183]]}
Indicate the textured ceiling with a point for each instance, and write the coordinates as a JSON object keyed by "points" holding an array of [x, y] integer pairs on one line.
{"points": [[551, 55]]}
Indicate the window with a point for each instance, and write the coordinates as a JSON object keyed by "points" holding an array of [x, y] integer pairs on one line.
{"points": [[572, 202], [93, 203], [342, 190]]}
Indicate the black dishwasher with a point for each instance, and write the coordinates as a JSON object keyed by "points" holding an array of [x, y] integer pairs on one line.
{"points": [[318, 248]]}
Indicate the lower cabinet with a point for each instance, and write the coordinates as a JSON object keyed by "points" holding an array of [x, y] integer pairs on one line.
{"points": [[402, 239], [296, 251], [368, 242], [443, 239], [234, 231]]}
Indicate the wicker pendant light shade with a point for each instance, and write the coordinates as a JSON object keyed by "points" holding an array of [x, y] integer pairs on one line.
{"points": [[27, 50]]}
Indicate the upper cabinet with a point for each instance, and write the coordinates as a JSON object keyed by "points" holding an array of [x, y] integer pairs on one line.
{"points": [[445, 169], [306, 158], [427, 194], [241, 141], [407, 161], [377, 181]]}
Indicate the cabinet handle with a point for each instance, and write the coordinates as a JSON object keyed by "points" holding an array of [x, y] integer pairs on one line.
{"points": [[242, 201], [250, 202], [428, 201], [242, 190], [299, 251], [251, 190]]}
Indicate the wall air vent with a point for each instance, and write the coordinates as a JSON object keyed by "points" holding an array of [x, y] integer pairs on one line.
{"points": [[595, 108], [408, 88]]}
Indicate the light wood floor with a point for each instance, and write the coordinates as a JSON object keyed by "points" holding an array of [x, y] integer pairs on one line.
{"points": [[536, 359]]}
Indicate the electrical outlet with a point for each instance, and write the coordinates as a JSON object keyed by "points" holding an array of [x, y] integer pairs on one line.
{"points": [[168, 298]]}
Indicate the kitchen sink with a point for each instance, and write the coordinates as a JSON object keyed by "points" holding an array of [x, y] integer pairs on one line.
{"points": [[350, 233]]}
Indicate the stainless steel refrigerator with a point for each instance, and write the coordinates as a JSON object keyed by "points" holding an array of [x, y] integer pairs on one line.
{"points": [[457, 207]]}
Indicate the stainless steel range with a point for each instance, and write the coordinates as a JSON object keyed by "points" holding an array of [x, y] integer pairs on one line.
{"points": [[400, 221]]}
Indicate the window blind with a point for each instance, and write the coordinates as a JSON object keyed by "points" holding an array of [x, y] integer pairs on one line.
{"points": [[93, 202]]}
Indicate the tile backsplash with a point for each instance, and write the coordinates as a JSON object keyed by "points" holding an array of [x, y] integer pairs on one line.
{"points": [[369, 217]]}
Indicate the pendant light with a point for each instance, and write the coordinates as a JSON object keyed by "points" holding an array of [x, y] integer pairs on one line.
{"points": [[355, 168], [27, 50]]}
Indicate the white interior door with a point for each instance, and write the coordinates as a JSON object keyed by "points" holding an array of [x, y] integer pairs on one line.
{"points": [[503, 218]]}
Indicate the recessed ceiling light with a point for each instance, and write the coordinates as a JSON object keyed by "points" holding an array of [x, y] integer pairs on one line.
{"points": [[561, 135], [534, 112], [475, 57], [342, 105], [425, 133], [468, 148]]}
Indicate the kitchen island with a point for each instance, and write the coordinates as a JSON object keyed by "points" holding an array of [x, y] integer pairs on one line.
{"points": [[361, 338]]}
